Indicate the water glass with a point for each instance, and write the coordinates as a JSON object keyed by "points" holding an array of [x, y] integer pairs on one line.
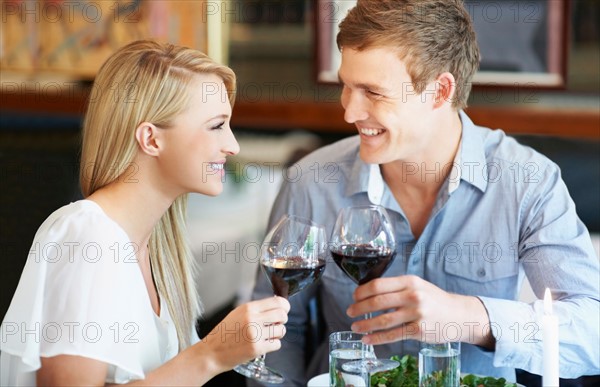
{"points": [[345, 347], [439, 365]]}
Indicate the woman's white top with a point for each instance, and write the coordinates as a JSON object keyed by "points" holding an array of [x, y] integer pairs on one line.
{"points": [[82, 293]]}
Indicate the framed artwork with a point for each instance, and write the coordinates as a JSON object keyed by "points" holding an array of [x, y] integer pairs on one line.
{"points": [[522, 43], [76, 37]]}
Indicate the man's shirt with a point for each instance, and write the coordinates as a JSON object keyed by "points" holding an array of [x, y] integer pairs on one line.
{"points": [[502, 213]]}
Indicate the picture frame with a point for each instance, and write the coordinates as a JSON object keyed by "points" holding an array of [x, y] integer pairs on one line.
{"points": [[74, 38], [523, 44]]}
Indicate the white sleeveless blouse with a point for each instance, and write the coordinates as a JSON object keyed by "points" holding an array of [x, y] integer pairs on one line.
{"points": [[82, 293]]}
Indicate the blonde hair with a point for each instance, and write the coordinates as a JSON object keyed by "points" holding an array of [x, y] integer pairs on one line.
{"points": [[146, 81], [431, 36]]}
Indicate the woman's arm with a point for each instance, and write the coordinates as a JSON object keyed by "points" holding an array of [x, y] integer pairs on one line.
{"points": [[247, 332]]}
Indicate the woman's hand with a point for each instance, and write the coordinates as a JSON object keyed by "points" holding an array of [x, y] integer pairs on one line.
{"points": [[247, 332], [416, 309]]}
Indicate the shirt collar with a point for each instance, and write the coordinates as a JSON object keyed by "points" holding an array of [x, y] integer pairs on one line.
{"points": [[360, 174], [472, 164], [366, 178], [455, 173], [469, 166]]}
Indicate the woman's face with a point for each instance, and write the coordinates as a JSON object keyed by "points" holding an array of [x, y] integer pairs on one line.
{"points": [[195, 148]]}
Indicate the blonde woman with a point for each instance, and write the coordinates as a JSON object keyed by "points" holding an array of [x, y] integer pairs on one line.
{"points": [[107, 293]]}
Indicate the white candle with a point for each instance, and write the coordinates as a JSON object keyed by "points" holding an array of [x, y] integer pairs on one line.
{"points": [[550, 340]]}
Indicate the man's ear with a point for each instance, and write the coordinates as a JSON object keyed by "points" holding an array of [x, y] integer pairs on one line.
{"points": [[445, 85], [146, 135]]}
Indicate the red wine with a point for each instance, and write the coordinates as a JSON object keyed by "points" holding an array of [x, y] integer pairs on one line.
{"points": [[363, 263], [289, 275]]}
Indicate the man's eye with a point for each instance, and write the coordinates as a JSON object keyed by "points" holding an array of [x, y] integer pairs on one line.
{"points": [[218, 126], [373, 94]]}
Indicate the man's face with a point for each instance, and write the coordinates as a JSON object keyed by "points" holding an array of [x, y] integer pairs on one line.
{"points": [[394, 123]]}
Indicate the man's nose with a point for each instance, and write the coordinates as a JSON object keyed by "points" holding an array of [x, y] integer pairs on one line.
{"points": [[355, 107]]}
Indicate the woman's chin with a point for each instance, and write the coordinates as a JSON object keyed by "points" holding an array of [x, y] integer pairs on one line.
{"points": [[210, 191]]}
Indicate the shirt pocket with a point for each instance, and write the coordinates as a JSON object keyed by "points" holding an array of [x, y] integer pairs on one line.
{"points": [[482, 278]]}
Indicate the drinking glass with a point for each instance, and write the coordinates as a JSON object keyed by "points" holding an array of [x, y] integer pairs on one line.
{"points": [[363, 246], [345, 347], [439, 365], [293, 257]]}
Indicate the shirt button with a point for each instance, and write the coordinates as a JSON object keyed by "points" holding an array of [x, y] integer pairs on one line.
{"points": [[481, 272]]}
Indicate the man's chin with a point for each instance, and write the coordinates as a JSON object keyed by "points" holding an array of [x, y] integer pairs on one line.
{"points": [[371, 157]]}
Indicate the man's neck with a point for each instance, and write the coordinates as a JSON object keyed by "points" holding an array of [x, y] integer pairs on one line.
{"points": [[416, 183], [425, 173]]}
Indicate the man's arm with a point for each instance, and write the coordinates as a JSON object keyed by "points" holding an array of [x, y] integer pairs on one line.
{"points": [[556, 253], [416, 308]]}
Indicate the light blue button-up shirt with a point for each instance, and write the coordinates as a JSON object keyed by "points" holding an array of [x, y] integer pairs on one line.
{"points": [[502, 214]]}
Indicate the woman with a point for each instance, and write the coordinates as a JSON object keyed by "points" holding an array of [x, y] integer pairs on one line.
{"points": [[107, 293]]}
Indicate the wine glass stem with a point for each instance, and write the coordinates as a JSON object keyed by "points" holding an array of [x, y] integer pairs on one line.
{"points": [[259, 362], [370, 348]]}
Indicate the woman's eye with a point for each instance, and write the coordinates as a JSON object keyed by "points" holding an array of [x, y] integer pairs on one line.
{"points": [[218, 126]]}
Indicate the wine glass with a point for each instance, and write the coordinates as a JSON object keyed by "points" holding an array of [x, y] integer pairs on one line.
{"points": [[363, 246], [293, 257]]}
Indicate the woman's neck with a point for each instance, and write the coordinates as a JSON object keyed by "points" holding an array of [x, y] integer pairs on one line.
{"points": [[135, 206]]}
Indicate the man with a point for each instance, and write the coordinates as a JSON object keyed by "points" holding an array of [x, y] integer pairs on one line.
{"points": [[474, 212]]}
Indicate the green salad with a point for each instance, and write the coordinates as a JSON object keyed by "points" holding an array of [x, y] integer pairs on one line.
{"points": [[407, 375]]}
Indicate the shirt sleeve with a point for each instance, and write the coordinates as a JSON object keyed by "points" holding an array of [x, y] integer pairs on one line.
{"points": [[556, 252], [75, 298]]}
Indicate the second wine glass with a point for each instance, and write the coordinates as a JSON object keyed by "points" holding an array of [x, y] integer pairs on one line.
{"points": [[293, 257], [363, 246]]}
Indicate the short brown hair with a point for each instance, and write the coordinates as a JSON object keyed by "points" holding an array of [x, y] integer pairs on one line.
{"points": [[430, 36]]}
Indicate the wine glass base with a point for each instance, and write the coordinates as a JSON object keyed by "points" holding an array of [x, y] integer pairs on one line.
{"points": [[370, 366], [259, 371]]}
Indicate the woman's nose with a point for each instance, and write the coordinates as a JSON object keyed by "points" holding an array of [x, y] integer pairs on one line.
{"points": [[231, 146]]}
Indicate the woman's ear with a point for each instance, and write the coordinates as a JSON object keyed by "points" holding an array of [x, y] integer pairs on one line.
{"points": [[146, 135], [445, 89]]}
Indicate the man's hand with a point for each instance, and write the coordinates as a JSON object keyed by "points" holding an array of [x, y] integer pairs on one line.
{"points": [[416, 309]]}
